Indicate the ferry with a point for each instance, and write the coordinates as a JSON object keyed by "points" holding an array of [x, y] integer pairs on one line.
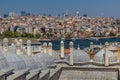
{"points": [[44, 40]]}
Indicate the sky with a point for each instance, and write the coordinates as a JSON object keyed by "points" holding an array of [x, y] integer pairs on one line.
{"points": [[108, 8]]}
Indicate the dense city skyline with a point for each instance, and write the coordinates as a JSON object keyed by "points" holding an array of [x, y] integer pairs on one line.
{"points": [[55, 7]]}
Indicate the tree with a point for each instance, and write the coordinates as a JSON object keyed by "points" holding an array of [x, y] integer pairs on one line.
{"points": [[38, 35], [112, 34]]}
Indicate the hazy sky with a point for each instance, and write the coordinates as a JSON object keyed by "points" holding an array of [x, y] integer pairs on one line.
{"points": [[54, 7]]}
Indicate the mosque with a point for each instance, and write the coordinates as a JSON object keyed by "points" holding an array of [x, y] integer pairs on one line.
{"points": [[21, 62]]}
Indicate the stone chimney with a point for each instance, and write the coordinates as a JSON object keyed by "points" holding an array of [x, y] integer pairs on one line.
{"points": [[62, 49], [50, 49], [101, 46], [29, 49], [21, 42], [18, 48], [106, 57], [5, 44], [78, 47], [91, 46], [45, 47], [15, 41], [71, 53]]}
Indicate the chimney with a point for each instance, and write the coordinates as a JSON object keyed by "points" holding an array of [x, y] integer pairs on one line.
{"points": [[101, 46], [45, 47], [18, 48], [21, 42], [29, 49], [71, 53], [15, 41], [50, 49], [106, 58], [78, 47], [5, 44], [91, 46], [62, 49]]}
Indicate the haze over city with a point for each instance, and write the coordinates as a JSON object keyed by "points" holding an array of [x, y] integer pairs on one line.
{"points": [[55, 7]]}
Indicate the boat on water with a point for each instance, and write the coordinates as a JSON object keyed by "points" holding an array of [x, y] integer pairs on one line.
{"points": [[93, 38]]}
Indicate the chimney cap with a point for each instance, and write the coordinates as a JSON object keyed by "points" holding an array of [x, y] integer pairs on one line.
{"points": [[91, 43], [106, 43], [50, 44], [44, 44], [20, 40], [28, 41], [62, 42], [71, 43], [5, 40]]}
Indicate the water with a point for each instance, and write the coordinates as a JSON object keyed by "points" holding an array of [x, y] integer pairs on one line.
{"points": [[82, 42]]}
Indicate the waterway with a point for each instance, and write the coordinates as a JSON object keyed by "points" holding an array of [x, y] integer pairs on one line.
{"points": [[82, 42]]}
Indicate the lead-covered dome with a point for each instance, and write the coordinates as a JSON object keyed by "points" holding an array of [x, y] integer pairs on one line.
{"points": [[43, 60], [99, 57], [14, 60], [3, 62], [79, 56], [29, 61]]}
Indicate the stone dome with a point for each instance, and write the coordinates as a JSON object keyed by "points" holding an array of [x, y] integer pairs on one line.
{"points": [[13, 60], [55, 55], [43, 60], [79, 56], [99, 57], [3, 62], [29, 61]]}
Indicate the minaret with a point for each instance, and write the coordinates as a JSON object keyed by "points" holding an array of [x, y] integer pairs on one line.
{"points": [[18, 48], [50, 49], [62, 49], [71, 53], [29, 49], [106, 62], [45, 47], [5, 44], [91, 47]]}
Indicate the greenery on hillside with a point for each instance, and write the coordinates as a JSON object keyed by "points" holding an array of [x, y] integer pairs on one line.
{"points": [[10, 34]]}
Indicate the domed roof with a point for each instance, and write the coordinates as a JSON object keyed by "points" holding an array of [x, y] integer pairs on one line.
{"points": [[43, 60], [55, 55], [29, 61], [14, 60], [3, 62], [80, 56], [99, 57]]}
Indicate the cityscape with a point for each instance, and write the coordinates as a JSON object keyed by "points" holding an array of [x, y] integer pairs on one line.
{"points": [[59, 40]]}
